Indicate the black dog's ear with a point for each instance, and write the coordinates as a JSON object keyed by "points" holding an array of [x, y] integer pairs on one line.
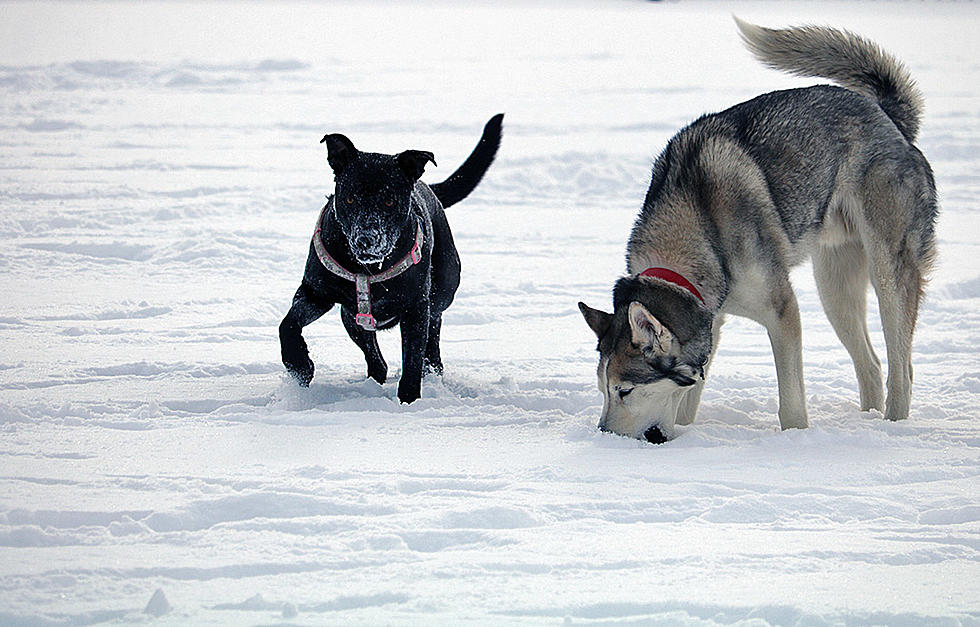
{"points": [[412, 162], [340, 151]]}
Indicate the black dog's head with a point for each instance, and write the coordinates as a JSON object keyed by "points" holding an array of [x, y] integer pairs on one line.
{"points": [[373, 195]]}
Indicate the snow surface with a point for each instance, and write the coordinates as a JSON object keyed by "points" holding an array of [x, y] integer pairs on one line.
{"points": [[160, 179]]}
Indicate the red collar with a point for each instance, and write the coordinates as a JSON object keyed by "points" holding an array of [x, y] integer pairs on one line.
{"points": [[672, 277]]}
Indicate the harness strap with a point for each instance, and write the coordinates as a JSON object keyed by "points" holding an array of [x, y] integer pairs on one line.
{"points": [[364, 316]]}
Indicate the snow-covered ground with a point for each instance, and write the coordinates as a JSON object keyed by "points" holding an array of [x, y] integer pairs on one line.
{"points": [[159, 180]]}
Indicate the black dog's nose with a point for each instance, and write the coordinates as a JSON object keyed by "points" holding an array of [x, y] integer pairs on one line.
{"points": [[364, 242]]}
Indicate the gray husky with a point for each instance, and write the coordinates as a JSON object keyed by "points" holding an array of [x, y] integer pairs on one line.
{"points": [[738, 198]]}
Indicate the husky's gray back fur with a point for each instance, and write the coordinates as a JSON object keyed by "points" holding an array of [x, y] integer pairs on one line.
{"points": [[845, 58], [739, 197], [790, 151]]}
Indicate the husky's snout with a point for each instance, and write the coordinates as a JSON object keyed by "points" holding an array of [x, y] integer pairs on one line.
{"points": [[652, 435]]}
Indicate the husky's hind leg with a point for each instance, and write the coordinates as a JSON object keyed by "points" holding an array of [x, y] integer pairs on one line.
{"points": [[897, 288], [899, 209], [841, 272]]}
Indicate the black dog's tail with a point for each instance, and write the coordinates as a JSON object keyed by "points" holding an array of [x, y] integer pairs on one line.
{"points": [[464, 180], [850, 60]]}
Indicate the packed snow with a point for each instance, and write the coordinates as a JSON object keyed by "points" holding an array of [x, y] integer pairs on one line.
{"points": [[161, 176]]}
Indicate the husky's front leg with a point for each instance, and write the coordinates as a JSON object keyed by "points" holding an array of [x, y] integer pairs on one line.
{"points": [[786, 337], [414, 327], [688, 408]]}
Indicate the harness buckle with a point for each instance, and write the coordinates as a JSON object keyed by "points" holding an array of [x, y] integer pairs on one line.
{"points": [[366, 321]]}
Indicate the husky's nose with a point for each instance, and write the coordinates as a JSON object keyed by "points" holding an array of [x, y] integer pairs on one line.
{"points": [[654, 435]]}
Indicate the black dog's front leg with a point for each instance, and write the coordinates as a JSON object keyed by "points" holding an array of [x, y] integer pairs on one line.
{"points": [[367, 341], [415, 334], [295, 353]]}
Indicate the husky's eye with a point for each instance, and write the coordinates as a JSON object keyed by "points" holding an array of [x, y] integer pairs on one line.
{"points": [[350, 200], [681, 380], [623, 393]]}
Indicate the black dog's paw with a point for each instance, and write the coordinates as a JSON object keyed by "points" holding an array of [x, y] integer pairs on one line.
{"points": [[303, 374], [295, 354], [409, 392], [429, 367], [378, 373]]}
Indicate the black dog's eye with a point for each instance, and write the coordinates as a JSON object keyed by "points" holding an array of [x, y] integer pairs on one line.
{"points": [[350, 200], [389, 202], [624, 393]]}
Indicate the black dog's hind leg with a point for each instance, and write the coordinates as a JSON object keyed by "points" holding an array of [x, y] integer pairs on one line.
{"points": [[445, 281], [433, 358], [368, 343], [415, 332], [295, 353]]}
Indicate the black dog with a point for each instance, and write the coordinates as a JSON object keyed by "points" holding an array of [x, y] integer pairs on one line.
{"points": [[383, 250]]}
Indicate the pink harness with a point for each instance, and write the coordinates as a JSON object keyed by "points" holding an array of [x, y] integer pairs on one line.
{"points": [[362, 282]]}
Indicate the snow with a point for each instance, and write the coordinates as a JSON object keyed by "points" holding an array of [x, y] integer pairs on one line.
{"points": [[161, 174]]}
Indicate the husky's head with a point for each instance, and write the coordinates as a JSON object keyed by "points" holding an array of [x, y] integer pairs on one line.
{"points": [[652, 348], [373, 196]]}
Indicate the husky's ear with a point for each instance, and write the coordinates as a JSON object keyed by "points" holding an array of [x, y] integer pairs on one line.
{"points": [[598, 321], [648, 333], [412, 162], [340, 151]]}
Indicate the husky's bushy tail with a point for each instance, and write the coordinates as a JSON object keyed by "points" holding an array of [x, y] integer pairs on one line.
{"points": [[845, 58]]}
